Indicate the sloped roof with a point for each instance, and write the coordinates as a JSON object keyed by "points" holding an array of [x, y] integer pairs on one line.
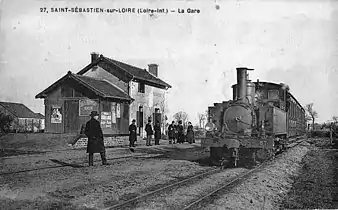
{"points": [[39, 115], [100, 87], [18, 110], [136, 72], [106, 88]]}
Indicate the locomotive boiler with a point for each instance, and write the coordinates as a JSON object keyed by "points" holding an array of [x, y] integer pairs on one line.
{"points": [[256, 124]]}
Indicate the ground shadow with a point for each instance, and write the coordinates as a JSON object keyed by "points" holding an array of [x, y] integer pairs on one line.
{"points": [[66, 164], [14, 152]]}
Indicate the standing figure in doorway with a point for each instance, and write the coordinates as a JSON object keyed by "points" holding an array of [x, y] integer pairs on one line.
{"points": [[171, 133], [157, 129], [150, 132], [95, 139], [190, 134], [132, 134]]}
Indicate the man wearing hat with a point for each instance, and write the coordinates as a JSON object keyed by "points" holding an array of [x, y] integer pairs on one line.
{"points": [[95, 139], [180, 134], [171, 133], [150, 132], [132, 134]]}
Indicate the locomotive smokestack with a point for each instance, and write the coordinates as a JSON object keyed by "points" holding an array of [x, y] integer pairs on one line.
{"points": [[242, 77], [241, 83]]}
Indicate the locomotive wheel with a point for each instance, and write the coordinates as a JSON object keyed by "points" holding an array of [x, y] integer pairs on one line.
{"points": [[262, 155]]}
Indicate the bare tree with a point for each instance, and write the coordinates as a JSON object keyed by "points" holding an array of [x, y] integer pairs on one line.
{"points": [[181, 116], [311, 114], [202, 117]]}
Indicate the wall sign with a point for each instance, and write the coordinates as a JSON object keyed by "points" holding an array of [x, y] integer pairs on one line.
{"points": [[118, 110], [86, 106], [113, 112], [105, 120], [56, 116]]}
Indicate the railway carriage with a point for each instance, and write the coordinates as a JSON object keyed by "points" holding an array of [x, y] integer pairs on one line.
{"points": [[256, 123]]}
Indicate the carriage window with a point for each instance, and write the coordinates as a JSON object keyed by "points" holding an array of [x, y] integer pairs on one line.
{"points": [[273, 94]]}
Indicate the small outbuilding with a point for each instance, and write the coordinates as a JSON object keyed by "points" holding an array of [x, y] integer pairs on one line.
{"points": [[70, 100], [24, 119]]}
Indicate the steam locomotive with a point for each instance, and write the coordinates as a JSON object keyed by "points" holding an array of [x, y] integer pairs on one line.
{"points": [[257, 124]]}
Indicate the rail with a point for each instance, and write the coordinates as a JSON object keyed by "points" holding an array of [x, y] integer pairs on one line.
{"points": [[194, 204], [125, 204], [74, 165]]}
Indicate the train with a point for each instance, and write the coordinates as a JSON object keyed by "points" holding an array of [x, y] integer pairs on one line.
{"points": [[256, 124]]}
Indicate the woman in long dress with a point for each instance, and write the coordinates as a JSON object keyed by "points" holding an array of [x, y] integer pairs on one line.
{"points": [[190, 134]]}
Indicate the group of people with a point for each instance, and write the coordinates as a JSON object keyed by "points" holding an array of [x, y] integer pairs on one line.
{"points": [[156, 131], [176, 133], [96, 144]]}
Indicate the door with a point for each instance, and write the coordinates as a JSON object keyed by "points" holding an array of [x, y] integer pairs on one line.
{"points": [[139, 120], [71, 116]]}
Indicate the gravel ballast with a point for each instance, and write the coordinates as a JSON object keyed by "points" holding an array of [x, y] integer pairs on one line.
{"points": [[266, 188], [305, 177]]}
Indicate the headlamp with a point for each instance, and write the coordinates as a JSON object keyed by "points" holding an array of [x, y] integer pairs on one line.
{"points": [[209, 126]]}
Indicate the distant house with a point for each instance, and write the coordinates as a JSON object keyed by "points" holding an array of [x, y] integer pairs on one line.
{"points": [[118, 91], [24, 119]]}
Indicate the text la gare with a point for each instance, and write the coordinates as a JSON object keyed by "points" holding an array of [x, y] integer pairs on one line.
{"points": [[189, 10]]}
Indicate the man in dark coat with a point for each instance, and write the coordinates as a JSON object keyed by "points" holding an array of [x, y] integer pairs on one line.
{"points": [[95, 139], [176, 132], [180, 134], [132, 134], [157, 129], [171, 132], [150, 132]]}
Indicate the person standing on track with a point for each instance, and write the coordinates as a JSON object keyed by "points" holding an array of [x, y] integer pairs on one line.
{"points": [[95, 139], [150, 132], [157, 129], [171, 132], [132, 134]]}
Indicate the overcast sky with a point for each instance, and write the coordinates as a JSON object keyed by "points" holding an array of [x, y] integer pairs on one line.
{"points": [[292, 42]]}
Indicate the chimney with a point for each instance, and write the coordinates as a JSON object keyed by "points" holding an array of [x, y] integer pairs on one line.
{"points": [[153, 69], [95, 56]]}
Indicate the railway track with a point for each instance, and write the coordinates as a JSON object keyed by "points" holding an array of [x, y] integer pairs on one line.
{"points": [[74, 165], [194, 204]]}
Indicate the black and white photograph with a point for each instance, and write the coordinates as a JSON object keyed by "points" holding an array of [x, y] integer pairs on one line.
{"points": [[177, 104]]}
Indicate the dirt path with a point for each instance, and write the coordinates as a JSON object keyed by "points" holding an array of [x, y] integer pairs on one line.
{"points": [[92, 187], [317, 184]]}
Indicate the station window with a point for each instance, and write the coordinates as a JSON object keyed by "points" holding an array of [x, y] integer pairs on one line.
{"points": [[273, 94], [141, 87]]}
